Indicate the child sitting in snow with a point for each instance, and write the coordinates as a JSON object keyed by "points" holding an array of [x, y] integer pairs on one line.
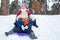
{"points": [[23, 23]]}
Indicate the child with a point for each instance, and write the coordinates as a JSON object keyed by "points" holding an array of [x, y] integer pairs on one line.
{"points": [[23, 23]]}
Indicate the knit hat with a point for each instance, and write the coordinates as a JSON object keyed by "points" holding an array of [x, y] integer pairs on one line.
{"points": [[23, 4]]}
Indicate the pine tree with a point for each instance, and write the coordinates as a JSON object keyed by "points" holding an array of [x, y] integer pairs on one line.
{"points": [[16, 3]]}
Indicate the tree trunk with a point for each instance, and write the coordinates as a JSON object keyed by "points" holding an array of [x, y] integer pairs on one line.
{"points": [[4, 7], [7, 7], [45, 11]]}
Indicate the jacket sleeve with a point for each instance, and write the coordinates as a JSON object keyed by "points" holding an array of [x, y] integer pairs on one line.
{"points": [[18, 13], [29, 13]]}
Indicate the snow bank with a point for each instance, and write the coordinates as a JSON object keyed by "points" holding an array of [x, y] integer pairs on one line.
{"points": [[49, 27]]}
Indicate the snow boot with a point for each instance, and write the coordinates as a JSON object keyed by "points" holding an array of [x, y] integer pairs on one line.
{"points": [[6, 33], [32, 35], [9, 33]]}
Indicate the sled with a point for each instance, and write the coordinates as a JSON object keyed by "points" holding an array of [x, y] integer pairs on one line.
{"points": [[22, 34]]}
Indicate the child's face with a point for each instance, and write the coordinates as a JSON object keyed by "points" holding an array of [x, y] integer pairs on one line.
{"points": [[23, 7]]}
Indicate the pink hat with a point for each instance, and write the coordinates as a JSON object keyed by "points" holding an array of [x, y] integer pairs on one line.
{"points": [[23, 4]]}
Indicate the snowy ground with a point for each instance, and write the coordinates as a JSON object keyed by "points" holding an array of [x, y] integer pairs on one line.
{"points": [[49, 28]]}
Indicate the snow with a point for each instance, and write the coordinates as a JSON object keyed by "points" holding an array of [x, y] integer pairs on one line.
{"points": [[49, 28]]}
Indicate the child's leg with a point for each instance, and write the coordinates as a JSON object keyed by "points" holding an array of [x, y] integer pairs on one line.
{"points": [[9, 33], [31, 33], [17, 27], [14, 30]]}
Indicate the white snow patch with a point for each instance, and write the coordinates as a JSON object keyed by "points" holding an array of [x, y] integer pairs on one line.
{"points": [[49, 27]]}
